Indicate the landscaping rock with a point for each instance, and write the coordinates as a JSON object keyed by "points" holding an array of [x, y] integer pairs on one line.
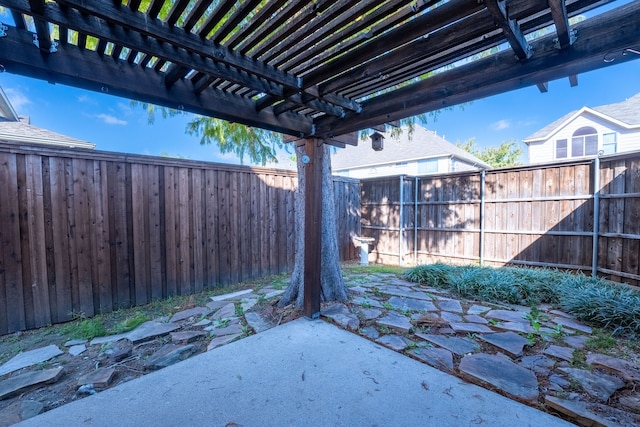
{"points": [[501, 373], [232, 296], [231, 329], [28, 380], [478, 309], [623, 368], [577, 410], [472, 318], [168, 355], [573, 324], [150, 330], [564, 353], [451, 305], [509, 342], [192, 312], [226, 312], [341, 315], [558, 382], [77, 350], [370, 332], [203, 322], [370, 313], [99, 379], [459, 346], [394, 342], [537, 363], [366, 302], [20, 411], [258, 322], [410, 304], [576, 341], [216, 305], [470, 327], [109, 339], [631, 402], [29, 358], [219, 341], [599, 385], [395, 321], [507, 316], [521, 327], [450, 317], [71, 343], [185, 337], [119, 351], [436, 357]]}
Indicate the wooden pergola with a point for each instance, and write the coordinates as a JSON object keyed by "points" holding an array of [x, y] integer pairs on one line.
{"points": [[315, 70]]}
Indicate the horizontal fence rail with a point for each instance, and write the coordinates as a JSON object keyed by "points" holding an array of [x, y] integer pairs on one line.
{"points": [[90, 232], [540, 215]]}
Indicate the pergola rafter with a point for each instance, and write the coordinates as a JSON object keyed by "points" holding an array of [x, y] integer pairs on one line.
{"points": [[318, 71]]}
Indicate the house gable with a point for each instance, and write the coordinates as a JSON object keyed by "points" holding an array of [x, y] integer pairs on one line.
{"points": [[586, 132]]}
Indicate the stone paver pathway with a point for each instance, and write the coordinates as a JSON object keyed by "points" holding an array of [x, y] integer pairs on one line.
{"points": [[495, 346]]}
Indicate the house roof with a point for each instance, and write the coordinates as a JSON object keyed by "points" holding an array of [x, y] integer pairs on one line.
{"points": [[422, 144], [23, 132], [625, 113]]}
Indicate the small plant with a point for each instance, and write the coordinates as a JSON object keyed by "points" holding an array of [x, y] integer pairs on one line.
{"points": [[376, 291], [222, 323], [387, 305], [532, 338], [246, 331], [600, 341], [130, 323], [366, 303], [557, 332], [383, 329], [578, 359], [472, 336], [85, 328], [238, 309]]}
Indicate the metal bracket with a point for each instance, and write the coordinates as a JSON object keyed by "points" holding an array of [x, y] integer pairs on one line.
{"points": [[573, 36], [3, 30], [52, 49]]}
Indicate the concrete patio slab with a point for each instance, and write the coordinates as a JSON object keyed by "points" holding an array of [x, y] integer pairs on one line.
{"points": [[301, 373]]}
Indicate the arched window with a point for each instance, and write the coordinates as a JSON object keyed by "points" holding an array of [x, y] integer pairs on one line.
{"points": [[584, 142]]}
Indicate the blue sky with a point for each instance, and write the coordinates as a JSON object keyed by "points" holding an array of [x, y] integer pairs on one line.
{"points": [[114, 125]]}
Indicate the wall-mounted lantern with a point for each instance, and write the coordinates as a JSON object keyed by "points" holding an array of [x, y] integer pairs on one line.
{"points": [[377, 141]]}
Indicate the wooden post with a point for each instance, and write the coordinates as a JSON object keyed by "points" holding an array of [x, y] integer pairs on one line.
{"points": [[312, 226]]}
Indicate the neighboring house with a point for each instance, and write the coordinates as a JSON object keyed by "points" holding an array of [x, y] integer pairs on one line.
{"points": [[423, 154], [17, 129], [608, 129]]}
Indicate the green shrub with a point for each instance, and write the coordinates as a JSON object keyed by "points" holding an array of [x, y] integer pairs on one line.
{"points": [[594, 300]]}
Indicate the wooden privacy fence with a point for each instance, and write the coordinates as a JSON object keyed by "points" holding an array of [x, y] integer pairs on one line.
{"points": [[535, 216], [89, 232]]}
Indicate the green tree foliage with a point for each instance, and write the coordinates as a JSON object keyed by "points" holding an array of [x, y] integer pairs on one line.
{"points": [[506, 154]]}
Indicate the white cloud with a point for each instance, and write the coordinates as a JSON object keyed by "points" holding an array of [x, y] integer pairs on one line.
{"points": [[111, 120], [18, 99], [500, 125]]}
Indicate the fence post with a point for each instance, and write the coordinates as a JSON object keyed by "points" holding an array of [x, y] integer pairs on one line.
{"points": [[596, 215], [415, 222], [483, 177], [400, 220]]}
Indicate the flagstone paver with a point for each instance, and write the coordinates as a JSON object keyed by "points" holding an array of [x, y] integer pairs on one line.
{"points": [[573, 324], [597, 384], [370, 313], [507, 316], [225, 312], [472, 318], [437, 357], [470, 327], [450, 305], [341, 314], [19, 411], [576, 341], [185, 337], [219, 341], [451, 317], [18, 383], [258, 322], [191, 312], [29, 358], [538, 363], [149, 330], [366, 302], [522, 327], [411, 304], [395, 321], [394, 342], [370, 332], [232, 296], [502, 373], [478, 309], [564, 353], [399, 292], [100, 378], [623, 368], [509, 342], [577, 410], [77, 350], [457, 345]]}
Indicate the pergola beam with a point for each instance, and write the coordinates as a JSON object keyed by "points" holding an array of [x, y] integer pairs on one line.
{"points": [[510, 27]]}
